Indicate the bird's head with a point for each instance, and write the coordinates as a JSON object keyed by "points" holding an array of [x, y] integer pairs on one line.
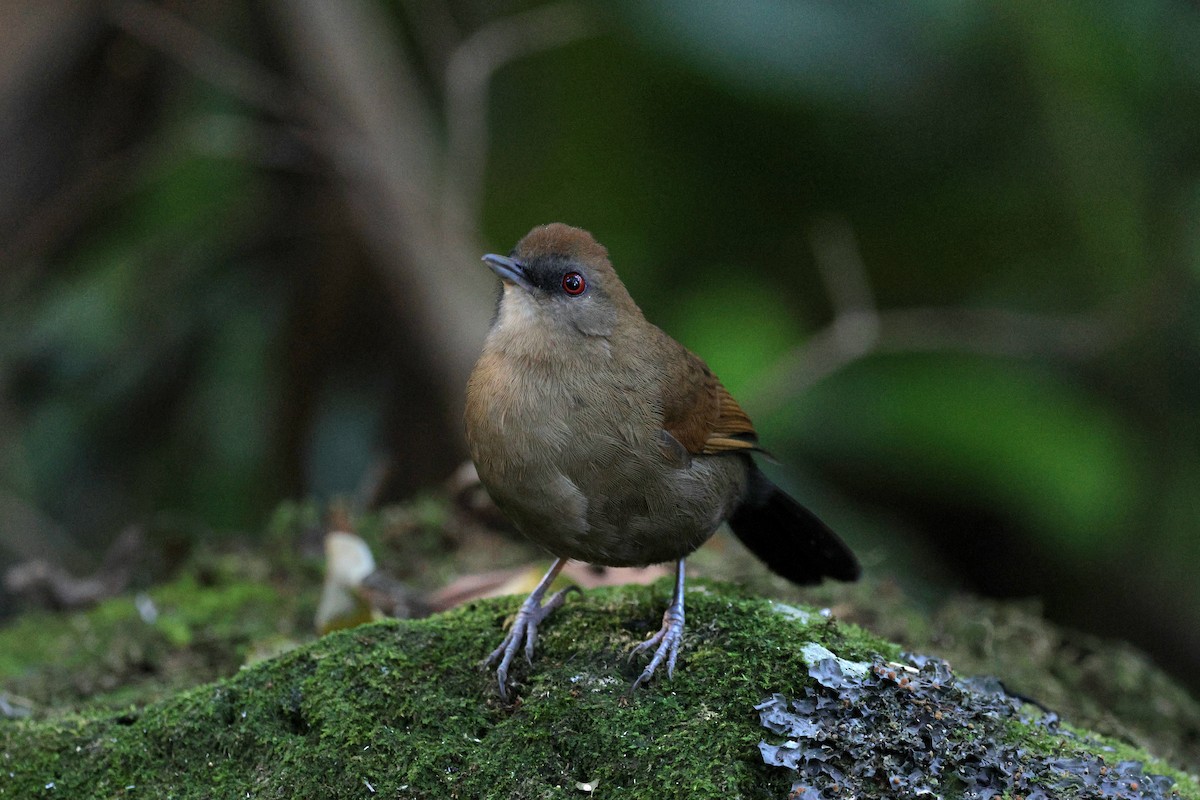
{"points": [[559, 278]]}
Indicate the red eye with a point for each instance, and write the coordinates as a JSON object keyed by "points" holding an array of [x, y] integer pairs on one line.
{"points": [[573, 283]]}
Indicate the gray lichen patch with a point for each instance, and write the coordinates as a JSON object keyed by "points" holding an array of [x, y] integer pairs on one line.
{"points": [[915, 730]]}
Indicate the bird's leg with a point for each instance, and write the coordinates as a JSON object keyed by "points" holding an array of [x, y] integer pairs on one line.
{"points": [[668, 637], [524, 627]]}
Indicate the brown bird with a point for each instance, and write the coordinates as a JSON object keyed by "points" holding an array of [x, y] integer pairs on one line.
{"points": [[605, 440]]}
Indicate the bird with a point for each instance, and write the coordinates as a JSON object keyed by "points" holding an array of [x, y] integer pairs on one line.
{"points": [[605, 440]]}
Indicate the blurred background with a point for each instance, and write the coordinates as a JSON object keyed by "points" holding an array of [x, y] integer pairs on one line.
{"points": [[946, 254]]}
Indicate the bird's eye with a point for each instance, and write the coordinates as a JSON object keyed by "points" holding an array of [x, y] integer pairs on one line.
{"points": [[573, 283]]}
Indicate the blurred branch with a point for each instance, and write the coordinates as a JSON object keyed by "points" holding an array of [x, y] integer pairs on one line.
{"points": [[374, 127], [384, 143], [840, 263], [859, 328], [207, 58], [22, 254], [468, 74], [50, 585], [435, 33], [39, 44], [380, 132], [855, 326], [388, 144], [27, 532]]}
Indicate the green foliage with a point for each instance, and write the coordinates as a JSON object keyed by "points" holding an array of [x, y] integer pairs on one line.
{"points": [[978, 431], [145, 300], [766, 327]]}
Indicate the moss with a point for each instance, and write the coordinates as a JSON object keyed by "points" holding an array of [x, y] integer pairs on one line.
{"points": [[403, 709], [135, 649]]}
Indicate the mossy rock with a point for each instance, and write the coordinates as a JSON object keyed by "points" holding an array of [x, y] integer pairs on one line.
{"points": [[403, 709]]}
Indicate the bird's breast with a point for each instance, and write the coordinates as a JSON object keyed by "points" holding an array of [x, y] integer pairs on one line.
{"points": [[529, 413], [527, 432], [572, 453]]}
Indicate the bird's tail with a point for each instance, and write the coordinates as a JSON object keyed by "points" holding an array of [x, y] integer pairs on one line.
{"points": [[788, 537]]}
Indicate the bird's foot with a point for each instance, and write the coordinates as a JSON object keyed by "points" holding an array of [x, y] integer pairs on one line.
{"points": [[667, 640], [524, 627]]}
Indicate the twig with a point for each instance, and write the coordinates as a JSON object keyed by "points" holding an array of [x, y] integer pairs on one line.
{"points": [[23, 254], [57, 588], [840, 264], [208, 58], [435, 34], [859, 328]]}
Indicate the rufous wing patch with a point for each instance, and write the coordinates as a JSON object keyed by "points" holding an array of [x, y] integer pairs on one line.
{"points": [[732, 428], [701, 414]]}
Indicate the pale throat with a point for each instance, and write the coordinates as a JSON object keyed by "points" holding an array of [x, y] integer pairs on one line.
{"points": [[519, 313], [524, 325]]}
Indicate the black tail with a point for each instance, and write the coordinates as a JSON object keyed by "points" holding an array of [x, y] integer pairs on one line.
{"points": [[788, 537]]}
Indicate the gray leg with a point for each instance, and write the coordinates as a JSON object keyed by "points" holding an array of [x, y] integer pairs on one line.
{"points": [[668, 637], [524, 627]]}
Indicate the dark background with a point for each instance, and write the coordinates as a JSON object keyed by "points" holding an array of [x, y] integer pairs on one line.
{"points": [[946, 254]]}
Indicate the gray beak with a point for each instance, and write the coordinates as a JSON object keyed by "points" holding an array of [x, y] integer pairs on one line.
{"points": [[509, 269]]}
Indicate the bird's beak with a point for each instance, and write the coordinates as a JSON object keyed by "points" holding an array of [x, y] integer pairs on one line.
{"points": [[509, 269]]}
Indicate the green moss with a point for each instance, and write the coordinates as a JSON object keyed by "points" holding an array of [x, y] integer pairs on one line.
{"points": [[136, 649], [403, 709]]}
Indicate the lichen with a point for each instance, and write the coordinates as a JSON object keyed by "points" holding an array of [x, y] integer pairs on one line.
{"points": [[916, 730]]}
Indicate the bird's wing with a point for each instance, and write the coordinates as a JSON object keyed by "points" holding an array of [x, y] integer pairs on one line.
{"points": [[700, 413], [732, 429]]}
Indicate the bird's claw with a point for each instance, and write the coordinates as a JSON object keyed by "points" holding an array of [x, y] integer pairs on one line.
{"points": [[524, 627], [667, 640]]}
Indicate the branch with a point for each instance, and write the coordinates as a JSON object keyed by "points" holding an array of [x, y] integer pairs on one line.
{"points": [[208, 59], [860, 329]]}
